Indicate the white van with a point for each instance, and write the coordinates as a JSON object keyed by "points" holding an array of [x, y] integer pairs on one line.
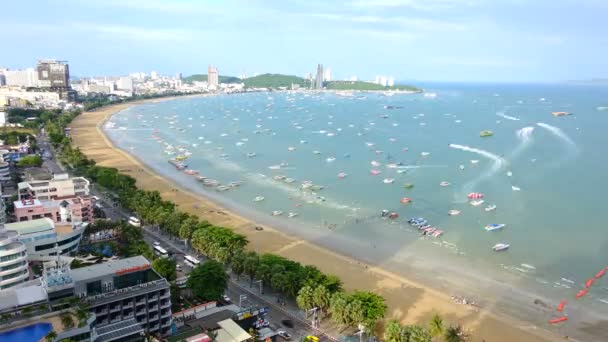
{"points": [[134, 221]]}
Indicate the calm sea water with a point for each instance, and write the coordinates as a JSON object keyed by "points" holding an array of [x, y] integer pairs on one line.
{"points": [[556, 222]]}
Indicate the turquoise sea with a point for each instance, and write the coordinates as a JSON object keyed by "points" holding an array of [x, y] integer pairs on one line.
{"points": [[545, 174]]}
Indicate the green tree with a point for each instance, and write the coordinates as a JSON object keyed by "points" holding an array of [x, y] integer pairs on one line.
{"points": [[454, 334], [67, 320], [30, 161], [416, 333], [140, 248], [321, 298], [338, 308], [373, 306], [208, 281], [238, 264], [305, 298], [82, 314], [166, 268], [393, 332], [436, 326], [51, 336], [252, 262]]}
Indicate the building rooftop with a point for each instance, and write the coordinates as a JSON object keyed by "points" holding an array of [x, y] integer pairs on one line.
{"points": [[18, 296], [231, 332], [111, 267], [32, 226], [27, 203]]}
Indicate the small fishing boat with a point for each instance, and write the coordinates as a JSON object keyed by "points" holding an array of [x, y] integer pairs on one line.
{"points": [[561, 113], [515, 188], [393, 216], [461, 167], [374, 163], [490, 207], [453, 212], [292, 215], [181, 157], [223, 188], [474, 161], [330, 159], [258, 199], [388, 180], [477, 203], [401, 171], [316, 152], [277, 213], [444, 183], [191, 172], [274, 167], [342, 175], [509, 173], [279, 177], [289, 180], [486, 133], [235, 184], [375, 172], [425, 154], [406, 200], [499, 247], [251, 155], [494, 226], [291, 149], [408, 185]]}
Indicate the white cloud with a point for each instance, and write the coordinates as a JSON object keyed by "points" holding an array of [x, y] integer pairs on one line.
{"points": [[398, 23], [425, 5], [141, 33], [471, 62], [176, 6]]}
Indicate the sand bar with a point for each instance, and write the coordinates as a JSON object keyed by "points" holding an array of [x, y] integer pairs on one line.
{"points": [[408, 301]]}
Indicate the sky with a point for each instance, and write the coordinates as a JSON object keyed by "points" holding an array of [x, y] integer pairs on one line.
{"points": [[427, 40]]}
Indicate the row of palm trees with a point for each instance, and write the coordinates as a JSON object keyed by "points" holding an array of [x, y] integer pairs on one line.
{"points": [[436, 331]]}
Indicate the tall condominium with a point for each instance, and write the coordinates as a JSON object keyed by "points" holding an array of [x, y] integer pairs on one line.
{"points": [[61, 186], [213, 77], [13, 255], [319, 77], [53, 74]]}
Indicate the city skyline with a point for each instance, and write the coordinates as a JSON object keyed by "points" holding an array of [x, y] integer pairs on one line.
{"points": [[436, 40]]}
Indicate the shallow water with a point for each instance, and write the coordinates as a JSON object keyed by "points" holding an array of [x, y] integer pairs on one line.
{"points": [[555, 223]]}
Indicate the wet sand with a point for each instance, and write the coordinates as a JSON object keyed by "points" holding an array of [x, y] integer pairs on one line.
{"points": [[408, 301]]}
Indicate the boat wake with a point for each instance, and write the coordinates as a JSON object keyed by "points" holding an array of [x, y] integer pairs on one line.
{"points": [[503, 115], [525, 138], [557, 132], [498, 163]]}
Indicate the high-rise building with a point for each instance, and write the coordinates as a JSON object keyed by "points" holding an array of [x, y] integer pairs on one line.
{"points": [[53, 74], [213, 77], [124, 83], [353, 78], [391, 81], [327, 75], [61, 186], [13, 255], [21, 78], [319, 77], [153, 75]]}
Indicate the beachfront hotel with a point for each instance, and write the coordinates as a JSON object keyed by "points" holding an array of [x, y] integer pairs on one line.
{"points": [[44, 239], [60, 187], [126, 298], [71, 209]]}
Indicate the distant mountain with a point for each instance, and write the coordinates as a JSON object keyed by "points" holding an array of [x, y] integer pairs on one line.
{"points": [[203, 78], [275, 81], [360, 85]]}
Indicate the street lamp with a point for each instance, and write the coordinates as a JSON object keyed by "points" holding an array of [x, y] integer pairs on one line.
{"points": [[314, 317], [261, 285]]}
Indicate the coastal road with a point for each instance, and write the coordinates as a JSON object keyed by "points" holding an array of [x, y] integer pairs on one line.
{"points": [[236, 288]]}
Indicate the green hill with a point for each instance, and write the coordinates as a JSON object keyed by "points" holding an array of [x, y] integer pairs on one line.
{"points": [[203, 78], [360, 85], [275, 81]]}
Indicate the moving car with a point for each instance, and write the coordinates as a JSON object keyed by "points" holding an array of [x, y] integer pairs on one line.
{"points": [[284, 334]]}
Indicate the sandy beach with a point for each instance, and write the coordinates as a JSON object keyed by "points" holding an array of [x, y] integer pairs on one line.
{"points": [[408, 301]]}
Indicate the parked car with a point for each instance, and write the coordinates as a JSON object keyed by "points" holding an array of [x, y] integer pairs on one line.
{"points": [[284, 334], [226, 299]]}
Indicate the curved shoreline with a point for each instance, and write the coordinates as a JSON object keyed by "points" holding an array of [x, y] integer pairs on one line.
{"points": [[408, 301]]}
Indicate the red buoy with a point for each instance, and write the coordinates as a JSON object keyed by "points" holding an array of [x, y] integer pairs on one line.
{"points": [[589, 282], [561, 305], [600, 274], [581, 293], [559, 319]]}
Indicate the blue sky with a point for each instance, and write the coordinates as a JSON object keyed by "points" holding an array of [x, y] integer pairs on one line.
{"points": [[441, 40]]}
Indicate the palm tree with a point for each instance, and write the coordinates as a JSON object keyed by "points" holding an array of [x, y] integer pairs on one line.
{"points": [[355, 313], [416, 333], [51, 336], [393, 332], [436, 326], [305, 298], [238, 264], [321, 297], [454, 334], [338, 308]]}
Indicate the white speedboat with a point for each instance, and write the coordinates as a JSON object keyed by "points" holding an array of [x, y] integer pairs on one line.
{"points": [[258, 199], [330, 159], [291, 215], [477, 203], [454, 212], [444, 183], [491, 207], [515, 188], [494, 226], [461, 167], [277, 213], [500, 247], [388, 180]]}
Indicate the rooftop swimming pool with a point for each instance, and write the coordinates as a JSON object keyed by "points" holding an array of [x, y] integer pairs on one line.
{"points": [[30, 333]]}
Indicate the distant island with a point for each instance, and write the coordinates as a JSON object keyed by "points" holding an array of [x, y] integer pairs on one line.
{"points": [[278, 81]]}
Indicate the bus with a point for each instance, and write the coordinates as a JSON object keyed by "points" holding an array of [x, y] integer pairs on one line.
{"points": [[161, 252], [191, 261], [181, 282]]}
